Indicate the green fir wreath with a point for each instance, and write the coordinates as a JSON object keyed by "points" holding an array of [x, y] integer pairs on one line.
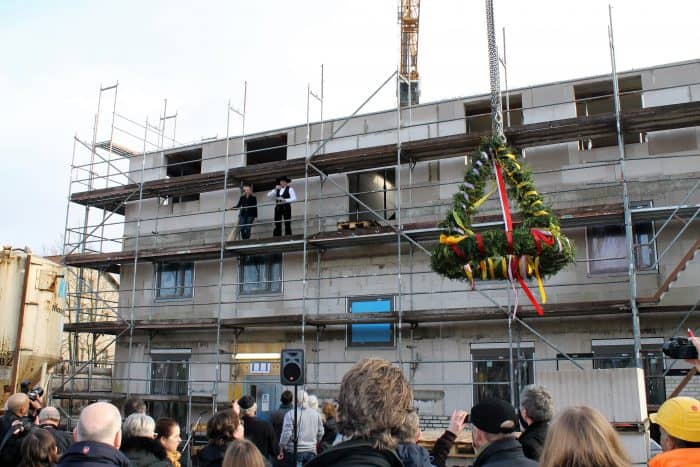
{"points": [[535, 248]]}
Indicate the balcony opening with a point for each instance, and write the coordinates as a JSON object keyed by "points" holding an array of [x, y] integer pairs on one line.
{"points": [[266, 149], [181, 164]]}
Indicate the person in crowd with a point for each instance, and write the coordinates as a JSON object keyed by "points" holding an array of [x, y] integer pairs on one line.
{"points": [[679, 422], [168, 435], [330, 425], [494, 423], [140, 444], [248, 205], [134, 405], [38, 449], [259, 432], [243, 453], [536, 411], [284, 195], [374, 401], [13, 427], [222, 428], [408, 451], [313, 404], [277, 416], [98, 437], [309, 432], [49, 419], [582, 436]]}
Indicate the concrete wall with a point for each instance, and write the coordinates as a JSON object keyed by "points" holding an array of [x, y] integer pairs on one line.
{"points": [[661, 169]]}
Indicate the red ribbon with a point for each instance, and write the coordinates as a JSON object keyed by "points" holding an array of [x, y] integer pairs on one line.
{"points": [[540, 237], [504, 197], [480, 244], [523, 285], [509, 241], [457, 251]]}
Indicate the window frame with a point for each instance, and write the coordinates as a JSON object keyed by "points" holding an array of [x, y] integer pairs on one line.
{"points": [[177, 359], [391, 343], [650, 230], [183, 266], [269, 280], [500, 351], [624, 350]]}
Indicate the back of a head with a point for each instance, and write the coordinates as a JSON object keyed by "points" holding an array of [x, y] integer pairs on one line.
{"points": [[49, 414], [243, 453], [138, 425], [538, 403], [328, 409], [680, 419], [582, 437], [222, 426], [18, 403], [313, 402], [287, 397], [134, 405], [303, 399], [373, 403], [38, 448], [100, 422]]}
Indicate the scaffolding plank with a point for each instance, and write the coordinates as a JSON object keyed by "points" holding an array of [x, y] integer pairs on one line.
{"points": [[557, 131]]}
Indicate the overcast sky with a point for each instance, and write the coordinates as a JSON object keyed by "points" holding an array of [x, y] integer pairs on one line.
{"points": [[55, 54]]}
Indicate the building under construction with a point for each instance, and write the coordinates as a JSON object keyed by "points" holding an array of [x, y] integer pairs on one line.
{"points": [[202, 314]]}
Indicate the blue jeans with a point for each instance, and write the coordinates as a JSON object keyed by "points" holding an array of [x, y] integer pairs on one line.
{"points": [[244, 224], [302, 458]]}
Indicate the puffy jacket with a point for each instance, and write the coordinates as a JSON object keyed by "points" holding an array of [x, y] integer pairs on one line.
{"points": [[413, 455], [503, 453], [532, 440], [145, 452], [355, 453], [93, 454]]}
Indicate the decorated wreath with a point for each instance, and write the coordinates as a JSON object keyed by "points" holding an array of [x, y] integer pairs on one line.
{"points": [[536, 248]]}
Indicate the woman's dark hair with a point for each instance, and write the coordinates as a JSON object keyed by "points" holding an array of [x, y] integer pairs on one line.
{"points": [[164, 427], [222, 426], [38, 449]]}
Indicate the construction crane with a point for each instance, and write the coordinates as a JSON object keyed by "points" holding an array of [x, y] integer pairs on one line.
{"points": [[409, 87]]}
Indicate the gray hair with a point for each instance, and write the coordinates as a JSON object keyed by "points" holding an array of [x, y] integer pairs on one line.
{"points": [[49, 413], [303, 399], [313, 401], [138, 425], [538, 403]]}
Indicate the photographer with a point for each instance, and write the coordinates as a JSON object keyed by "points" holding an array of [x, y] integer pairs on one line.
{"points": [[13, 426]]}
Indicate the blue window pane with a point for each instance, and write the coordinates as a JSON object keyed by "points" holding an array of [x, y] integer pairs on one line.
{"points": [[380, 333]]}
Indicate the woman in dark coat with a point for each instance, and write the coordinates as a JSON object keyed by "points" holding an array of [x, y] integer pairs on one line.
{"points": [[222, 428], [140, 444]]}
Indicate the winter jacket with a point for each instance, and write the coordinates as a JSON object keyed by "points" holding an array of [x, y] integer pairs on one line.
{"points": [[355, 453], [10, 454], [93, 454], [277, 419], [532, 440], [262, 435], [503, 453], [442, 447], [64, 439], [413, 455], [309, 430], [145, 452], [211, 455]]}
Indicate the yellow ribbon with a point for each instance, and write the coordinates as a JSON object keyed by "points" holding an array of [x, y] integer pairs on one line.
{"points": [[482, 266], [504, 267], [531, 192], [536, 202], [481, 200], [541, 213], [522, 184], [492, 273], [469, 274], [451, 239], [536, 267], [459, 222]]}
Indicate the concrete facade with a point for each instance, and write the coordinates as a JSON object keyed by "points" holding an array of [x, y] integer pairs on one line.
{"points": [[662, 168]]}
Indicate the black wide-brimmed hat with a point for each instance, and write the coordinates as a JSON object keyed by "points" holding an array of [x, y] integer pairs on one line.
{"points": [[285, 178]]}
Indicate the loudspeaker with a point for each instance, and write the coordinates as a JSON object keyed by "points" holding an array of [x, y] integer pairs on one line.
{"points": [[292, 367]]}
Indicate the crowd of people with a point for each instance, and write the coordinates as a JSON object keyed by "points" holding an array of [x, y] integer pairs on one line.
{"points": [[373, 422]]}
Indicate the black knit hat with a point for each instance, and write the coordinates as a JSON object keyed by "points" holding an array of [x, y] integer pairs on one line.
{"points": [[494, 416], [246, 402]]}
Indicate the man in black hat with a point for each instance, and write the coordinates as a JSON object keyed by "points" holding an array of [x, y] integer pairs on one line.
{"points": [[283, 195], [259, 432], [493, 435]]}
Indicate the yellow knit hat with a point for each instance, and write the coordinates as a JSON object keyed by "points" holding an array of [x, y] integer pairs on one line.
{"points": [[680, 418]]}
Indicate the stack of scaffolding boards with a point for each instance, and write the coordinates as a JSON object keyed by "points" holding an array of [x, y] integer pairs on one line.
{"points": [[354, 225], [619, 394]]}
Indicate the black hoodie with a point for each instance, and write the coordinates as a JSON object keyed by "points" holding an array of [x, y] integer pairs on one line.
{"points": [[93, 454], [355, 453]]}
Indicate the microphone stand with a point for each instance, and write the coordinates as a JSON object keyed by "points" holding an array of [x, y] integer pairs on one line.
{"points": [[191, 434]]}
